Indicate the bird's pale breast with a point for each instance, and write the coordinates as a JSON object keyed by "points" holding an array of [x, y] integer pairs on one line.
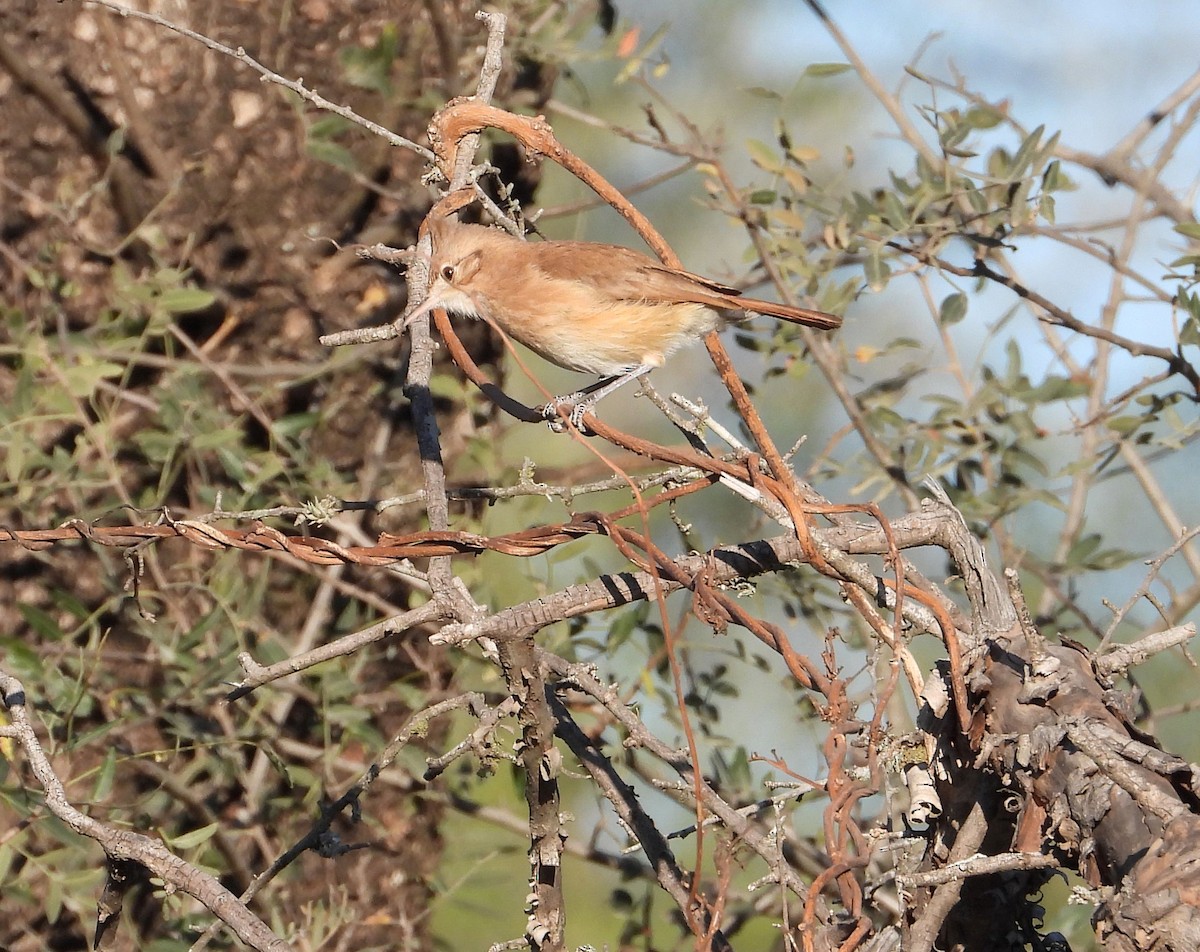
{"points": [[571, 325]]}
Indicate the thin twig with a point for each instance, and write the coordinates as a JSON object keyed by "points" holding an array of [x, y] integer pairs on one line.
{"points": [[268, 75]]}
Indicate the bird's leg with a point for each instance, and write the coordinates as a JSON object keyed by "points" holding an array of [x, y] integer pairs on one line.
{"points": [[582, 401]]}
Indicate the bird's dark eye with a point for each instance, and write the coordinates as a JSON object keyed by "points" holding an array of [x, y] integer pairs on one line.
{"points": [[448, 272]]}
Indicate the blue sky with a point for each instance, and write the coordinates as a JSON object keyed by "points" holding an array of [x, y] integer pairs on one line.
{"points": [[1088, 69]]}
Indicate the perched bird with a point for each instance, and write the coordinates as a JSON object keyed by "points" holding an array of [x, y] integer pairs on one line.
{"points": [[595, 308]]}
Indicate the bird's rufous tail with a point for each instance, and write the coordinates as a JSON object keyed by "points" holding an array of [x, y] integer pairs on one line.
{"points": [[797, 315]]}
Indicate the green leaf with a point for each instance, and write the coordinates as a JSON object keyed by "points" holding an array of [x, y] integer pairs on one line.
{"points": [[877, 271], [20, 659], [1083, 548], [1025, 152], [1124, 424], [763, 196], [1052, 178], [370, 67], [332, 154], [189, 840], [897, 215], [52, 901], [328, 127], [827, 69], [952, 136], [295, 423], [1189, 229], [1188, 260], [104, 780], [1046, 151], [764, 156], [68, 602], [983, 117], [953, 308], [1189, 301], [1190, 332], [1056, 388], [761, 92], [1018, 212], [1109, 559], [186, 300], [82, 379], [40, 622], [216, 438], [623, 626]]}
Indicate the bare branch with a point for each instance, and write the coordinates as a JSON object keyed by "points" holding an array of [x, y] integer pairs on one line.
{"points": [[125, 845], [268, 75]]}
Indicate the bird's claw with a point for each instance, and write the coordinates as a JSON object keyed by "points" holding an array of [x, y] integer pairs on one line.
{"points": [[552, 412]]}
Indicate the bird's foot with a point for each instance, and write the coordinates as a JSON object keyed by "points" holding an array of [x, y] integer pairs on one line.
{"points": [[579, 404]]}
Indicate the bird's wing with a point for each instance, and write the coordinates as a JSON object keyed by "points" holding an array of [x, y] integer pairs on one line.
{"points": [[627, 275], [621, 274]]}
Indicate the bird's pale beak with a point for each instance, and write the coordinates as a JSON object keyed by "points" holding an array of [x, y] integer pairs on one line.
{"points": [[432, 299], [420, 311], [444, 295]]}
